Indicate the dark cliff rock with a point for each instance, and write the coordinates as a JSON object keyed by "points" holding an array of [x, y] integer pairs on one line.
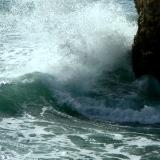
{"points": [[146, 47]]}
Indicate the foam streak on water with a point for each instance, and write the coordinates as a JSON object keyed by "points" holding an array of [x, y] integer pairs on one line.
{"points": [[32, 138]]}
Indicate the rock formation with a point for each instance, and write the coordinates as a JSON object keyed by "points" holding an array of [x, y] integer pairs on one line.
{"points": [[146, 47]]}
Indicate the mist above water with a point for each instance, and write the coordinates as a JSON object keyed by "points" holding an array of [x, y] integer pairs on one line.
{"points": [[64, 38], [84, 46]]}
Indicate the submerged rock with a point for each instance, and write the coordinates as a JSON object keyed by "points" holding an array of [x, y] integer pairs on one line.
{"points": [[146, 47]]}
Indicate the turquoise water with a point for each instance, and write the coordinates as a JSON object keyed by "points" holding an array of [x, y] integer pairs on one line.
{"points": [[67, 90]]}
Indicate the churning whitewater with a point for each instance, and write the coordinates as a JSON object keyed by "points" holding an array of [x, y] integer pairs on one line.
{"points": [[67, 90]]}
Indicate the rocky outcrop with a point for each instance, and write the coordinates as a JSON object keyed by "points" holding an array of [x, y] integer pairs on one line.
{"points": [[146, 47]]}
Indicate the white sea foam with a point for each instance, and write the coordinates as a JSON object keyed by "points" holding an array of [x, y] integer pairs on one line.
{"points": [[73, 40], [32, 138]]}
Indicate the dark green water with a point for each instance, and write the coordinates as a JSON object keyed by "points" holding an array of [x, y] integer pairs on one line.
{"points": [[67, 90]]}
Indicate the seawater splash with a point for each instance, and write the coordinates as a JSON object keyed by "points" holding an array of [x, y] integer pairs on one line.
{"points": [[65, 38], [82, 48], [64, 70]]}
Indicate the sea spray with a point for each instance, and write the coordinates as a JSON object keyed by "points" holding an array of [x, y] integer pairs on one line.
{"points": [[67, 39], [83, 50], [67, 90]]}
